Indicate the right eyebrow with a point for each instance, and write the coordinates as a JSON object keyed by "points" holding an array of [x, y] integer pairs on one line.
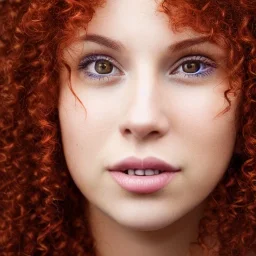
{"points": [[105, 41], [118, 46]]}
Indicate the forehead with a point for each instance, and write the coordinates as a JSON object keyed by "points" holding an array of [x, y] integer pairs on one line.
{"points": [[135, 22]]}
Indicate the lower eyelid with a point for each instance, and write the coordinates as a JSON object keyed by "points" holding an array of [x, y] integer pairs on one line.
{"points": [[99, 75], [96, 77]]}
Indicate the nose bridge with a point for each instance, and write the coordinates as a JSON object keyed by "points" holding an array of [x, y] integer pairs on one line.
{"points": [[144, 93], [143, 115]]}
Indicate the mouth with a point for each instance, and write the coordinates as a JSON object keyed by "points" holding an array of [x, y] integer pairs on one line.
{"points": [[142, 176]]}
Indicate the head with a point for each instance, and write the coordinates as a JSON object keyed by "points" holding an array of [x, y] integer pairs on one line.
{"points": [[148, 104], [177, 84]]}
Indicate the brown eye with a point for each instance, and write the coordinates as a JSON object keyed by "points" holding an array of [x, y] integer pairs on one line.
{"points": [[191, 67], [103, 67]]}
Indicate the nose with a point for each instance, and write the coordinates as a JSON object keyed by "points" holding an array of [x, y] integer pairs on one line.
{"points": [[144, 116]]}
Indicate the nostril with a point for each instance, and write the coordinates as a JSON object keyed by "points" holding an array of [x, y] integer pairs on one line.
{"points": [[127, 131]]}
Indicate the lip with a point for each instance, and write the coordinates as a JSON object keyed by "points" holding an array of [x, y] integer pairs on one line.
{"points": [[142, 164], [142, 184]]}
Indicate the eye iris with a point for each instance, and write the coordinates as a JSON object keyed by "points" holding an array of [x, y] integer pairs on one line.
{"points": [[103, 66], [191, 67]]}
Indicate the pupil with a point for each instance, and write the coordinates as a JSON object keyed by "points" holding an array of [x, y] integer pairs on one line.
{"points": [[191, 67], [103, 67]]}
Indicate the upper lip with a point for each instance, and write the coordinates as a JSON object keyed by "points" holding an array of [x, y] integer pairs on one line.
{"points": [[142, 164]]}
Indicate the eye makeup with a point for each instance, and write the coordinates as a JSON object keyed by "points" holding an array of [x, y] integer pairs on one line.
{"points": [[204, 67]]}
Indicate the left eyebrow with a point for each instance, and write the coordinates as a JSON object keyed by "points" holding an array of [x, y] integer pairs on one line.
{"points": [[188, 43]]}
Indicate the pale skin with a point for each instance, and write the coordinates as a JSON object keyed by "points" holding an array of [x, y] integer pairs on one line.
{"points": [[150, 104]]}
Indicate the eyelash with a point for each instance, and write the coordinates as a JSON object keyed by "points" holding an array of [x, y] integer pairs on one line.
{"points": [[207, 63]]}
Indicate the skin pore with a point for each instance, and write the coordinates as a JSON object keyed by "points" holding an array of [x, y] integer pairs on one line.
{"points": [[160, 97]]}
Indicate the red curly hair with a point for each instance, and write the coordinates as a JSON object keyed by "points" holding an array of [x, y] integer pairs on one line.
{"points": [[41, 210]]}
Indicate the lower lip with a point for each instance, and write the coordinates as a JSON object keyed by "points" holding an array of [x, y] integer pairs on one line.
{"points": [[142, 184]]}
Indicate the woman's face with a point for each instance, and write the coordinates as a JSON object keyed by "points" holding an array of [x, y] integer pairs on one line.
{"points": [[151, 93]]}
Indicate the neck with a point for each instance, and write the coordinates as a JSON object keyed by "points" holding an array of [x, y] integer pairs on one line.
{"points": [[113, 239]]}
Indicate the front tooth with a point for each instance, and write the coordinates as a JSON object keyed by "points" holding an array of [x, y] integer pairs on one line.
{"points": [[139, 172], [149, 172], [130, 172], [156, 171]]}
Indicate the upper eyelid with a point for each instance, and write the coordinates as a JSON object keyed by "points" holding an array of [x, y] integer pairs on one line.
{"points": [[94, 57], [200, 58]]}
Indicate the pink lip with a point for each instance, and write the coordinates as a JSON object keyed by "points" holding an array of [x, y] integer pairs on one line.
{"points": [[147, 163], [142, 184]]}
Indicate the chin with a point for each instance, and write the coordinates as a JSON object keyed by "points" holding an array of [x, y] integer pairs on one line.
{"points": [[149, 223]]}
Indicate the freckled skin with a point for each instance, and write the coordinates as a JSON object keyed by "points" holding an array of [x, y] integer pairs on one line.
{"points": [[141, 111]]}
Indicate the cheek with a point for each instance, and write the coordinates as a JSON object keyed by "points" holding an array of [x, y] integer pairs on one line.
{"points": [[204, 140], [85, 132], [196, 113]]}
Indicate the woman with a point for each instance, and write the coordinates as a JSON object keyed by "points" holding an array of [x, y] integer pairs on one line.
{"points": [[128, 127]]}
